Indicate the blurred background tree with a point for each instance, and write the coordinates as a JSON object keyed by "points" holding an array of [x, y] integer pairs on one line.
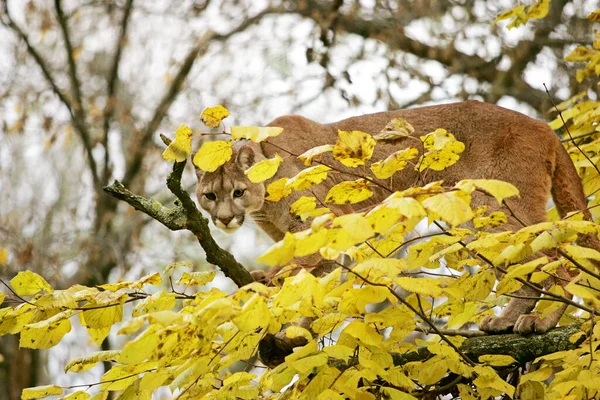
{"points": [[85, 87]]}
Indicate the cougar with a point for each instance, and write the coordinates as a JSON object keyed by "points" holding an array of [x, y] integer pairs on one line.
{"points": [[499, 144]]}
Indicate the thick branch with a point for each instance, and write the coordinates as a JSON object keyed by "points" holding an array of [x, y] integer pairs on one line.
{"points": [[524, 349], [113, 80], [185, 215]]}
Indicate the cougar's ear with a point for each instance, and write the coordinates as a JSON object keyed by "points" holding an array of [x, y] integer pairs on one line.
{"points": [[247, 156]]}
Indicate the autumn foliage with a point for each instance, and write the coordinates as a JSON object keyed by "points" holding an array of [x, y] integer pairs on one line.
{"points": [[186, 337]]}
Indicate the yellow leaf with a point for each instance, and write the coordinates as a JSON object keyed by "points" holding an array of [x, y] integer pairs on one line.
{"points": [[84, 363], [393, 163], [3, 256], [98, 335], [363, 332], [2, 297], [309, 155], [327, 324], [582, 252], [530, 390], [358, 227], [177, 264], [508, 286], [303, 205], [580, 53], [407, 206], [255, 133], [264, 169], [196, 278], [159, 301], [278, 190], [493, 220], [480, 285], [349, 192], [277, 378], [40, 392], [498, 189], [538, 376], [396, 129], [180, 148], [280, 253], [353, 148], [513, 12], [28, 283], [255, 314], [395, 394], [140, 348], [308, 177], [520, 270], [213, 116], [78, 395], [594, 16], [383, 217], [212, 155], [310, 242], [443, 150], [539, 9], [452, 207], [47, 333], [424, 286], [497, 360], [104, 314], [151, 279], [119, 377], [433, 370]]}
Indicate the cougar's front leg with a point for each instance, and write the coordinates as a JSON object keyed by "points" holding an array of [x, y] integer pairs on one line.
{"points": [[512, 312]]}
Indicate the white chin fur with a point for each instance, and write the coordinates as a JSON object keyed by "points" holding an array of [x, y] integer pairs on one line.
{"points": [[230, 227]]}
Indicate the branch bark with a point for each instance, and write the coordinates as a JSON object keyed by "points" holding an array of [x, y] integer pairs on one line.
{"points": [[524, 349], [185, 215]]}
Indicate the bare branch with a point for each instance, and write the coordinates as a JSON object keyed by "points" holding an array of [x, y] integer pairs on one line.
{"points": [[390, 32], [78, 107], [113, 80]]}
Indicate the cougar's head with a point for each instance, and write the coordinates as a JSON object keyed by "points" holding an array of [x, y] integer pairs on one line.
{"points": [[227, 194]]}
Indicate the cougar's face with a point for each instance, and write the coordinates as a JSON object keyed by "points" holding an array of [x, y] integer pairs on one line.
{"points": [[227, 194]]}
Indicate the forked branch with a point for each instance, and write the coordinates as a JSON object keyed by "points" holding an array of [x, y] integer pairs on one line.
{"points": [[185, 215]]}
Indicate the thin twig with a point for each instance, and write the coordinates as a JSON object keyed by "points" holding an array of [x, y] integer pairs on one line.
{"points": [[569, 132]]}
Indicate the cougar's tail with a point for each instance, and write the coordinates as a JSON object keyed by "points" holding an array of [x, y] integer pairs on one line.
{"points": [[567, 192]]}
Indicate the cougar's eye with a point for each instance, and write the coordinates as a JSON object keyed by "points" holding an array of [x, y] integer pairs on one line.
{"points": [[211, 196], [239, 192]]}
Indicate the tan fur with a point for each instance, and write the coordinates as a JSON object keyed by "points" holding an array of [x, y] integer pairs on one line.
{"points": [[499, 144]]}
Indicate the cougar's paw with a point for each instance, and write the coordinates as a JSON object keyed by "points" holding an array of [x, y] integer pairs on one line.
{"points": [[530, 323], [493, 324]]}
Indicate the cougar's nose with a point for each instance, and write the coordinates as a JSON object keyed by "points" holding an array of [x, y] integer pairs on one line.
{"points": [[226, 220]]}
